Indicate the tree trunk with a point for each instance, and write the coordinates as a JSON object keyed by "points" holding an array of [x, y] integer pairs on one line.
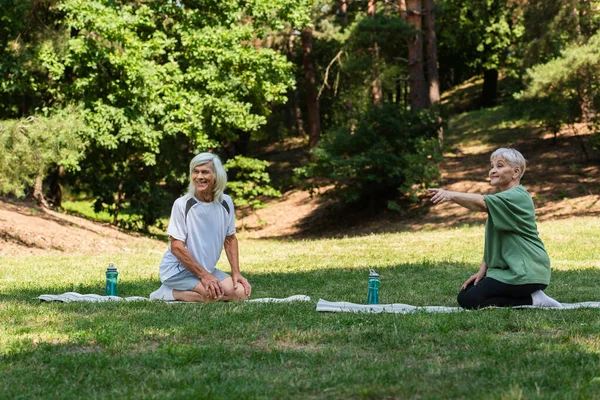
{"points": [[376, 90], [343, 12], [56, 190], [295, 123], [418, 88], [586, 97], [401, 84], [310, 80], [489, 92], [432, 68], [38, 190], [117, 197], [431, 52], [402, 8]]}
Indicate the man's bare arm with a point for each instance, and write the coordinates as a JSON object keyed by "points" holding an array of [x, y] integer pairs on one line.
{"points": [[232, 251]]}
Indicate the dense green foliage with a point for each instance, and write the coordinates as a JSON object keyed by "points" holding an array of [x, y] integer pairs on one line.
{"points": [[557, 90], [475, 36], [30, 147], [251, 183], [367, 48], [157, 82], [290, 351], [391, 152]]}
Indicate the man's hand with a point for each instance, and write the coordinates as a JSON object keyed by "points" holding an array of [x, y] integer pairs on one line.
{"points": [[212, 286], [239, 279]]}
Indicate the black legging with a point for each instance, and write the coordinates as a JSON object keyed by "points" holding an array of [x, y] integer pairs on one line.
{"points": [[490, 292]]}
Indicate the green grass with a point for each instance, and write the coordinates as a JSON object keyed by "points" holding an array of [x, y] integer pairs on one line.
{"points": [[85, 208], [278, 351], [502, 125]]}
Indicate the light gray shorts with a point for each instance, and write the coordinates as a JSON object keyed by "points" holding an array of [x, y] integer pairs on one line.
{"points": [[185, 280]]}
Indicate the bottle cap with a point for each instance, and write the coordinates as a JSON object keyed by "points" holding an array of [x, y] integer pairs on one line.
{"points": [[111, 267], [373, 274]]}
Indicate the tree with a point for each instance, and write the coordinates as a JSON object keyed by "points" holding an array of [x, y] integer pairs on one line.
{"points": [[418, 86], [376, 90], [33, 145], [549, 26], [28, 32], [251, 182], [391, 153], [556, 86], [157, 82], [476, 37], [310, 81], [431, 63], [431, 53]]}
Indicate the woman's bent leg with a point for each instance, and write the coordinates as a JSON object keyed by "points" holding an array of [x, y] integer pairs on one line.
{"points": [[490, 292]]}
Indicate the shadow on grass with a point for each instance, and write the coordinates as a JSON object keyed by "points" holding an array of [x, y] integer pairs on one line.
{"points": [[252, 350]]}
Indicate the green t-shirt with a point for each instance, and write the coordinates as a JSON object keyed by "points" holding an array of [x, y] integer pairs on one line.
{"points": [[514, 252]]}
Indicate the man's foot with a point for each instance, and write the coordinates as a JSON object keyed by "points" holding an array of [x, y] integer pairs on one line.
{"points": [[163, 293], [541, 299]]}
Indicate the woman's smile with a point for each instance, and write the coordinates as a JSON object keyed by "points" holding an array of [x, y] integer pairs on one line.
{"points": [[502, 175]]}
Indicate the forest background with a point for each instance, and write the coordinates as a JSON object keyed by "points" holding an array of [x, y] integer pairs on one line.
{"points": [[107, 101], [363, 103]]}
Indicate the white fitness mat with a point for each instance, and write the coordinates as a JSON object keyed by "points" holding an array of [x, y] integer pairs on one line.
{"points": [[71, 297], [343, 306]]}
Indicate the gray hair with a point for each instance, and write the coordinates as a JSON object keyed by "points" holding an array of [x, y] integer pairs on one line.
{"points": [[220, 174], [512, 157]]}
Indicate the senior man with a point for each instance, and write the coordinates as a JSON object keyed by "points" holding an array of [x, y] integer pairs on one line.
{"points": [[202, 224]]}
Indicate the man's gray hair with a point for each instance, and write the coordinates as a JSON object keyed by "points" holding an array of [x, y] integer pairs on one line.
{"points": [[512, 156], [220, 174]]}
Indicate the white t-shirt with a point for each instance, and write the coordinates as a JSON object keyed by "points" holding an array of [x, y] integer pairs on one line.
{"points": [[203, 230]]}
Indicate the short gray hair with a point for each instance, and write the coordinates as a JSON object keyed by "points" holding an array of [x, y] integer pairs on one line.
{"points": [[220, 174], [512, 156]]}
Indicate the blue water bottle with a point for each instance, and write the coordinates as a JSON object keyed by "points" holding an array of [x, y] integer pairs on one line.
{"points": [[111, 280], [373, 296]]}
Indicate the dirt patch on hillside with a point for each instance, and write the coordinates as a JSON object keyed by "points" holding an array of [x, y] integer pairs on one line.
{"points": [[25, 229], [562, 182], [563, 185]]}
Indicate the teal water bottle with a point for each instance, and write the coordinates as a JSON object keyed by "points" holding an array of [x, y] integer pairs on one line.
{"points": [[111, 280], [373, 295]]}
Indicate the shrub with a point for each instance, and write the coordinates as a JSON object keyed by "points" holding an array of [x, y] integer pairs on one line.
{"points": [[250, 183], [31, 146], [391, 153], [565, 90]]}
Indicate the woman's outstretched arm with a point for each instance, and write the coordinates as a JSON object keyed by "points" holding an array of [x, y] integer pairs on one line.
{"points": [[472, 201]]}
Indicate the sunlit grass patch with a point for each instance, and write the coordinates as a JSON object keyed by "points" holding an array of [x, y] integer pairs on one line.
{"points": [[86, 209], [254, 350]]}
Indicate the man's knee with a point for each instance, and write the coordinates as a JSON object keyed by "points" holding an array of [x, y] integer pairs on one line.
{"points": [[239, 294], [236, 294], [231, 293]]}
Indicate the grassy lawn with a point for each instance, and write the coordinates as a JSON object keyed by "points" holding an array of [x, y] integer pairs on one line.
{"points": [[276, 351]]}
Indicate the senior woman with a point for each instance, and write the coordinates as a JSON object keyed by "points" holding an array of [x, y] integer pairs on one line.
{"points": [[515, 268]]}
